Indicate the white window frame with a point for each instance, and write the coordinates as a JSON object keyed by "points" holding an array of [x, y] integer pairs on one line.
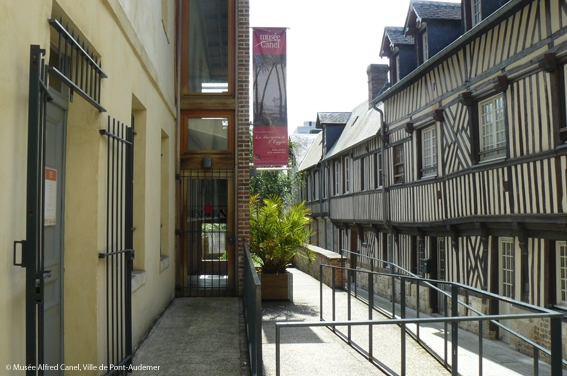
{"points": [[347, 174], [506, 253], [316, 186], [429, 151], [363, 182], [378, 170], [492, 128], [561, 273], [398, 68], [476, 12], [309, 187], [337, 177], [399, 164], [425, 46], [325, 186]]}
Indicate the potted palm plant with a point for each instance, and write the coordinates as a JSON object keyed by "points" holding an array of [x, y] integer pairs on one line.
{"points": [[278, 234]]}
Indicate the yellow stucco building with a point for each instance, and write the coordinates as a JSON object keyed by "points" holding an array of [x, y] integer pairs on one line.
{"points": [[95, 182]]}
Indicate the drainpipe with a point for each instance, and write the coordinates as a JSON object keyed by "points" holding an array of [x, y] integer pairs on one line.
{"points": [[385, 204]]}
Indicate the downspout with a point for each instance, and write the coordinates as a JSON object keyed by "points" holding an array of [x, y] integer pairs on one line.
{"points": [[385, 204]]}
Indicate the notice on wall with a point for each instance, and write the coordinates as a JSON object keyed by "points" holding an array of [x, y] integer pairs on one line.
{"points": [[50, 197]]}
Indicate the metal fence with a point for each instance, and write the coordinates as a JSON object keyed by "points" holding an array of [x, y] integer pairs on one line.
{"points": [[253, 312], [119, 252], [450, 320]]}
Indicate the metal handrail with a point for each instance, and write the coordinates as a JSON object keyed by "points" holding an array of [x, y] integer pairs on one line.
{"points": [[253, 312], [554, 316], [429, 283], [280, 325]]}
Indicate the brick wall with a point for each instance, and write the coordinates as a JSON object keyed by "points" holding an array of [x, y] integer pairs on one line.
{"points": [[243, 135], [377, 78]]}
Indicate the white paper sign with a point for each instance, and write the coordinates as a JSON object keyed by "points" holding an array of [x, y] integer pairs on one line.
{"points": [[50, 197]]}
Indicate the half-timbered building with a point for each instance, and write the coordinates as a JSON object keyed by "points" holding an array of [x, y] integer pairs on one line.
{"points": [[468, 168]]}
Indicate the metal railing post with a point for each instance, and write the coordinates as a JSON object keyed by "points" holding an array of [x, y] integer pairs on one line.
{"points": [[480, 356], [445, 326], [403, 330], [536, 361], [277, 350], [454, 330], [417, 309], [393, 297], [334, 298], [370, 308], [556, 357], [349, 305], [321, 292]]}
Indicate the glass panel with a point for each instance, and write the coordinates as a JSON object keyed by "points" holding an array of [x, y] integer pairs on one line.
{"points": [[492, 128], [207, 134], [208, 46]]}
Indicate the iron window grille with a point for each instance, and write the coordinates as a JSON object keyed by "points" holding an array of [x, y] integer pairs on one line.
{"points": [[77, 66]]}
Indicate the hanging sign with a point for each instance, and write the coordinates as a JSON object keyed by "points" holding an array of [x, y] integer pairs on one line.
{"points": [[50, 197], [270, 136]]}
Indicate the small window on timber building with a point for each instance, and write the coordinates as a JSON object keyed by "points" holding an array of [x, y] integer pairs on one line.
{"points": [[425, 46], [492, 128], [337, 177], [476, 12], [399, 164], [378, 170], [563, 94], [347, 175], [429, 151], [561, 262]]}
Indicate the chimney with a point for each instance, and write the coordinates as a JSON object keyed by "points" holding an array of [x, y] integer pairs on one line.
{"points": [[377, 79]]}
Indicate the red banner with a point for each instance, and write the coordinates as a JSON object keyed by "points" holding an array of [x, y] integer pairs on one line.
{"points": [[270, 97]]}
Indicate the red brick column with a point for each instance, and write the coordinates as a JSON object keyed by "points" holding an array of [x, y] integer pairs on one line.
{"points": [[243, 134]]}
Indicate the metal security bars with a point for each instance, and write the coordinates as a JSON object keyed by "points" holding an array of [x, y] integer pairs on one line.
{"points": [[33, 247], [207, 238], [77, 66], [119, 253]]}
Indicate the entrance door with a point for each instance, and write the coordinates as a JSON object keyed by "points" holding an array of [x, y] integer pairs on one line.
{"points": [[53, 235], [506, 278], [208, 257]]}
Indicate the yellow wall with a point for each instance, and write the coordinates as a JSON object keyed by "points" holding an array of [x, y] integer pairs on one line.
{"points": [[140, 64]]}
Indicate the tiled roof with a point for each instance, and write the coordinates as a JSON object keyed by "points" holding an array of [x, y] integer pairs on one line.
{"points": [[436, 10], [332, 117], [363, 124], [313, 155], [396, 35]]}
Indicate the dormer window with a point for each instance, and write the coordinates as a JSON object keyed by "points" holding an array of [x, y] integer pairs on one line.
{"points": [[425, 46], [397, 68], [476, 12]]}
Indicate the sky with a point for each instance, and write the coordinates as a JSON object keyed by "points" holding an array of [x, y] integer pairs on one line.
{"points": [[330, 44]]}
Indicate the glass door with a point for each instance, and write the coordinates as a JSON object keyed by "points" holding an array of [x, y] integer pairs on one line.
{"points": [[207, 259]]}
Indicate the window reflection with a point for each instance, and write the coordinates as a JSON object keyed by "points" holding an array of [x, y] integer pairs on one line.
{"points": [[208, 46], [207, 134]]}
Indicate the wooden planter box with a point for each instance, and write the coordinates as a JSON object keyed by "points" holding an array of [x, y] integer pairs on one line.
{"points": [[277, 286]]}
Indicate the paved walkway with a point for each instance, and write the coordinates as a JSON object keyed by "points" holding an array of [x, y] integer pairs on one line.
{"points": [[197, 337], [317, 351], [206, 336]]}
